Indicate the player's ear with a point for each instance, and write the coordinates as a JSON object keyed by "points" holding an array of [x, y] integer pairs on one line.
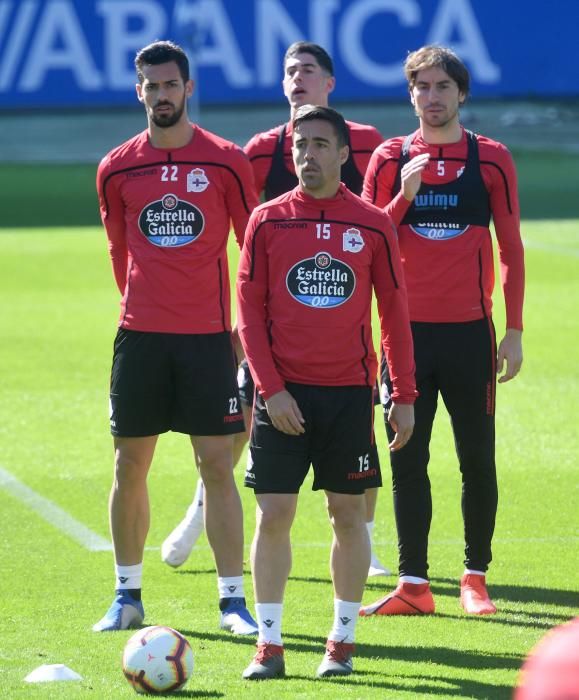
{"points": [[139, 89], [331, 84], [344, 153], [189, 88]]}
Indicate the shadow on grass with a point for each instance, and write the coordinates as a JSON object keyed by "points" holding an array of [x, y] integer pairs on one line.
{"points": [[374, 681], [457, 658], [460, 687], [520, 618], [197, 694]]}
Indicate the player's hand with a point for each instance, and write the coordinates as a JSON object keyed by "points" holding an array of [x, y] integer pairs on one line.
{"points": [[510, 352], [411, 175], [401, 418], [285, 413]]}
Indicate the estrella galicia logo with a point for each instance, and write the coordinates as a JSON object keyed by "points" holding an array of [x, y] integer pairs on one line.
{"points": [[321, 282], [438, 230], [171, 222]]}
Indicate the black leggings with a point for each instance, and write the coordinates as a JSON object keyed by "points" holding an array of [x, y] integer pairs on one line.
{"points": [[457, 360]]}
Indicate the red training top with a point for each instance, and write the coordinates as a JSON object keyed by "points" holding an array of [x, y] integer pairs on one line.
{"points": [[304, 292], [167, 214], [449, 266]]}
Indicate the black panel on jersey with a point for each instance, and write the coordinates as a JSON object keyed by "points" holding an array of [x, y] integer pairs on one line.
{"points": [[281, 180], [468, 190]]}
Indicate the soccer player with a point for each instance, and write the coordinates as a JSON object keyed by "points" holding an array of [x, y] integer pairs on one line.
{"points": [[441, 186], [308, 79], [167, 197], [308, 266]]}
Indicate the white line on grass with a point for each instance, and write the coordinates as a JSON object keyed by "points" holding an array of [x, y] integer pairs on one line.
{"points": [[80, 533], [54, 515]]}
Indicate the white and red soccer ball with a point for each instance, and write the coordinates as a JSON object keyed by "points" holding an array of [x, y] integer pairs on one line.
{"points": [[157, 660]]}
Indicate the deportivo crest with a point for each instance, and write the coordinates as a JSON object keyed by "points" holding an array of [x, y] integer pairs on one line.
{"points": [[171, 222], [197, 181], [321, 282], [352, 241]]}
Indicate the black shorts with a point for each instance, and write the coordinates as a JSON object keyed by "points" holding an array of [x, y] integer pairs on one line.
{"points": [[338, 442], [246, 386], [172, 381]]}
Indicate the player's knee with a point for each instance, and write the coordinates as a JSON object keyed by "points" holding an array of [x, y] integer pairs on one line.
{"points": [[275, 517], [129, 470], [347, 513], [217, 469]]}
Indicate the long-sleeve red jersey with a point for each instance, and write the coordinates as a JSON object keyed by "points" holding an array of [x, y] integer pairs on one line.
{"points": [[262, 149], [304, 293], [167, 214], [445, 241]]}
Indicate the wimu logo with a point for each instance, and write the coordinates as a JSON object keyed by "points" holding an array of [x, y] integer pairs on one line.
{"points": [[435, 201]]}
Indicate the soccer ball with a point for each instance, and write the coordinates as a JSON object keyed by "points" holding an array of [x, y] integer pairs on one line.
{"points": [[157, 660]]}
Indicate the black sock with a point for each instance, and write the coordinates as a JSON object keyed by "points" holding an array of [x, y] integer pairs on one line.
{"points": [[225, 602], [135, 593]]}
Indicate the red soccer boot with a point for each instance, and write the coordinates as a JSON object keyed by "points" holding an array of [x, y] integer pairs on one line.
{"points": [[407, 599]]}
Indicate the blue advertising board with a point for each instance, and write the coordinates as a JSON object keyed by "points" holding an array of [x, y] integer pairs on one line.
{"points": [[79, 53]]}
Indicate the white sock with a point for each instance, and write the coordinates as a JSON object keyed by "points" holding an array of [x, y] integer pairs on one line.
{"points": [[473, 571], [128, 576], [195, 510], [345, 618], [230, 587], [412, 579], [269, 622]]}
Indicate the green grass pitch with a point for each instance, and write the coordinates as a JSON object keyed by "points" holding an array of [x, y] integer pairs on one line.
{"points": [[58, 318]]}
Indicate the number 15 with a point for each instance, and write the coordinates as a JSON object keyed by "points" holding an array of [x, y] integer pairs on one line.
{"points": [[323, 231]]}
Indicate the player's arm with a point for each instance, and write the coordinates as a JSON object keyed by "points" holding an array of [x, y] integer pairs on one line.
{"points": [[112, 213], [506, 217], [241, 197], [390, 289], [252, 291]]}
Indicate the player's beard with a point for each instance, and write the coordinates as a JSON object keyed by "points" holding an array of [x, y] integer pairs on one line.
{"points": [[165, 121], [439, 120]]}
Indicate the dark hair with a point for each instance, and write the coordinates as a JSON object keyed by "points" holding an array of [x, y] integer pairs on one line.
{"points": [[440, 57], [308, 113], [319, 53], [162, 52]]}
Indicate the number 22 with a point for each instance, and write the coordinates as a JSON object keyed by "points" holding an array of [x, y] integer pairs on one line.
{"points": [[169, 173]]}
